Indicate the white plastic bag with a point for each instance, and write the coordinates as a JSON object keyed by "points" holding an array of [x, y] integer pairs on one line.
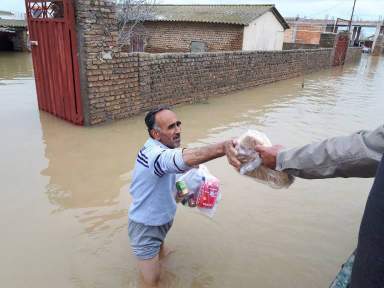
{"points": [[252, 165], [203, 190]]}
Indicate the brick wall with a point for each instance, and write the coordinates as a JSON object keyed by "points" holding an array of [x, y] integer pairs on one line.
{"points": [[109, 78], [116, 85], [327, 39], [353, 55], [305, 33], [308, 37], [177, 36], [290, 46], [184, 78], [289, 35]]}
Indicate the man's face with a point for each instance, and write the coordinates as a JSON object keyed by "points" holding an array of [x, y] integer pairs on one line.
{"points": [[169, 129]]}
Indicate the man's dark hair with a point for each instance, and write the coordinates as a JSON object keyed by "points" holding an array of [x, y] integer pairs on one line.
{"points": [[150, 117]]}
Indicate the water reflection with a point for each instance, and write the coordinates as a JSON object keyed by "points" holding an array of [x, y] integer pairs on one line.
{"points": [[15, 65], [85, 164]]}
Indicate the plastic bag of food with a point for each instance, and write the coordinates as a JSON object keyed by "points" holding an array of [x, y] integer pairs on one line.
{"points": [[199, 188], [252, 163]]}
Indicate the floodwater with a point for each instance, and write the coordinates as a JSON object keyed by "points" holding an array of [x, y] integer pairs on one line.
{"points": [[64, 189]]}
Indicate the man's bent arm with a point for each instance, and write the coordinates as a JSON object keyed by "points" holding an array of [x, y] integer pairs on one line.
{"points": [[357, 155]]}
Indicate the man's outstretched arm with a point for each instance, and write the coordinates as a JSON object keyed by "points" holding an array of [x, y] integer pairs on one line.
{"points": [[181, 160], [196, 156]]}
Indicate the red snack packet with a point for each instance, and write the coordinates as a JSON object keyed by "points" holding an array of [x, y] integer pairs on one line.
{"points": [[208, 194]]}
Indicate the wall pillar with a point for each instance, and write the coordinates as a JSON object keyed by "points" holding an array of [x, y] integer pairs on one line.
{"points": [[340, 48], [108, 77]]}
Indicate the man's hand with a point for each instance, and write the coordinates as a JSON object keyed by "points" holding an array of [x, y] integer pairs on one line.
{"points": [[231, 153], [268, 154]]}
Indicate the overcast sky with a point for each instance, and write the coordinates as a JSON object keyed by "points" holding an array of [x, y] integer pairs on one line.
{"points": [[365, 9]]}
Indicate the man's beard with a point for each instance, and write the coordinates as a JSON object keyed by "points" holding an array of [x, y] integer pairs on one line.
{"points": [[177, 141]]}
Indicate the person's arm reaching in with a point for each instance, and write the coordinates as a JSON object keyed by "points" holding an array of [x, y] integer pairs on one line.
{"points": [[356, 155]]}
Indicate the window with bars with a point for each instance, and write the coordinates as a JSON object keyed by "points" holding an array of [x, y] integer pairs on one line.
{"points": [[46, 9]]}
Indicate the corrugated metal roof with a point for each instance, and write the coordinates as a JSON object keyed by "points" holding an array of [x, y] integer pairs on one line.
{"points": [[12, 23], [227, 14]]}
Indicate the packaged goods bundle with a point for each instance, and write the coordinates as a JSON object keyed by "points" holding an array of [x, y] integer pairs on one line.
{"points": [[199, 188], [252, 163]]}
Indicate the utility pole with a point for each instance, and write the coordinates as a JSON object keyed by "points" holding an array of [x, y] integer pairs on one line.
{"points": [[350, 24], [350, 21]]}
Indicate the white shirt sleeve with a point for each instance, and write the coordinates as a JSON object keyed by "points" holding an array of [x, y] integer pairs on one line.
{"points": [[170, 161]]}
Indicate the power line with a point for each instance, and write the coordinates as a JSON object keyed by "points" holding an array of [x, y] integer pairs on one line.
{"points": [[326, 10]]}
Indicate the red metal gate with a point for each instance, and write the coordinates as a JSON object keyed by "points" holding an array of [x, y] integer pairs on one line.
{"points": [[54, 53]]}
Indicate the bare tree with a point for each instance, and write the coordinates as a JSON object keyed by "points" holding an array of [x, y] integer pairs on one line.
{"points": [[131, 14]]}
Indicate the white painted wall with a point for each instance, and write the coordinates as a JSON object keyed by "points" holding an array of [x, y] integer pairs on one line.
{"points": [[265, 33]]}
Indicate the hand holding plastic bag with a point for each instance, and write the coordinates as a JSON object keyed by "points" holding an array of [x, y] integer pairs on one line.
{"points": [[252, 163]]}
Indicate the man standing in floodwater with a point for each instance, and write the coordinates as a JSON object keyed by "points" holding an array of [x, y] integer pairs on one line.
{"points": [[153, 207]]}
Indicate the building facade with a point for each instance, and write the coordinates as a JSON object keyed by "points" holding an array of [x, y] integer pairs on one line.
{"points": [[211, 28], [264, 33]]}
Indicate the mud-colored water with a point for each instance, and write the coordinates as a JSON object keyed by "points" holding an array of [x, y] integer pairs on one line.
{"points": [[64, 189]]}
